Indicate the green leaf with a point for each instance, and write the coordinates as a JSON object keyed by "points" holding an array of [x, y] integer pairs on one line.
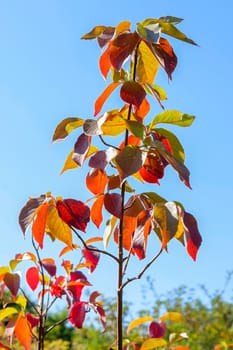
{"points": [[136, 128], [171, 19], [177, 148], [153, 343], [152, 197], [172, 117], [64, 128], [167, 27], [138, 322], [150, 32], [129, 161]]}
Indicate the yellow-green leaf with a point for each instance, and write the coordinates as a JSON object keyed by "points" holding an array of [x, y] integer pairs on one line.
{"points": [[8, 311], [57, 228], [22, 301], [94, 33], [138, 322], [172, 117], [150, 344], [136, 128], [172, 316], [64, 128]]}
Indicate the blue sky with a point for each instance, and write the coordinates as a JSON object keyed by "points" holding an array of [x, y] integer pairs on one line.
{"points": [[47, 73]]}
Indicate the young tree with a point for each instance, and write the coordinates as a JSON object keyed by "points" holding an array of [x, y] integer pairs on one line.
{"points": [[128, 149]]}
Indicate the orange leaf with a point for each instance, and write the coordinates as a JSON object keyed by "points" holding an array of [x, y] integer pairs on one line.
{"points": [[104, 62], [96, 211], [96, 180], [129, 226], [123, 26], [143, 109], [38, 226], [23, 331], [103, 97]]}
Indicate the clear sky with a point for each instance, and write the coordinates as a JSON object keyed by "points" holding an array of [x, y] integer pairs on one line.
{"points": [[47, 73]]}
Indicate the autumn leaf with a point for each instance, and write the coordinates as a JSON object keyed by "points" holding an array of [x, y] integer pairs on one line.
{"points": [[102, 158], [81, 149], [113, 204], [138, 322], [39, 223], [91, 257], [142, 231], [172, 117], [172, 316], [74, 213], [64, 128], [132, 93], [104, 62], [32, 277], [156, 330], [49, 265], [167, 217], [27, 212], [57, 228], [104, 96], [77, 314], [192, 234], [12, 281], [96, 211], [165, 55], [96, 181], [147, 66], [121, 48], [23, 331], [150, 32], [151, 344]]}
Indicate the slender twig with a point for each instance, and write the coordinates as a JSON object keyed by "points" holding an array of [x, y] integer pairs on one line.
{"points": [[141, 273], [108, 144], [56, 324], [127, 261], [29, 301], [93, 249]]}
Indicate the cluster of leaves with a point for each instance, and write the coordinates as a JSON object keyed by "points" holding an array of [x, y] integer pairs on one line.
{"points": [[140, 151]]}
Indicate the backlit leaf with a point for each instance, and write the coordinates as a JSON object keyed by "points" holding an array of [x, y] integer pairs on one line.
{"points": [[71, 164], [172, 316], [114, 124], [172, 117], [39, 223], [27, 212], [96, 181], [49, 265], [105, 36], [57, 228], [147, 66], [177, 148], [165, 55], [121, 48], [167, 217], [91, 257], [32, 277], [12, 281], [123, 26], [139, 321], [129, 161], [104, 62], [23, 331], [8, 311], [171, 19], [136, 128], [102, 158], [104, 96], [132, 93], [142, 231], [81, 149], [151, 89], [96, 211], [77, 314], [143, 109], [151, 344], [74, 213], [64, 128], [113, 204], [110, 225], [192, 234], [94, 33], [129, 227]]}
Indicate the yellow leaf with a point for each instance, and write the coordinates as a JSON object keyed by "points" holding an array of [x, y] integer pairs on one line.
{"points": [[8, 311], [114, 124], [172, 316], [57, 228], [150, 344], [64, 128], [122, 27], [138, 322], [70, 163], [147, 64], [22, 301]]}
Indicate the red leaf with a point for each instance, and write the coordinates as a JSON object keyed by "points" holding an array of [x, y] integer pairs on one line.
{"points": [[77, 314], [141, 233], [132, 93], [105, 36], [33, 320], [153, 168], [104, 96], [49, 265], [39, 224], [121, 48], [57, 288], [113, 204], [157, 330], [76, 284], [96, 211], [2, 346], [32, 277], [104, 62], [96, 181], [74, 213], [12, 281], [91, 257], [192, 234], [102, 315], [81, 148], [165, 55]]}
